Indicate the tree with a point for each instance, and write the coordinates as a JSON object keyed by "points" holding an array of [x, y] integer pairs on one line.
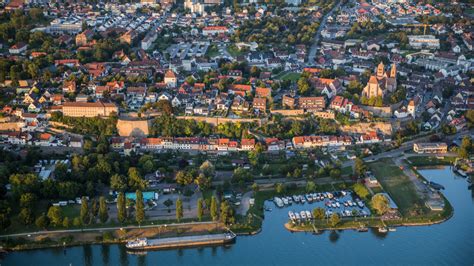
{"points": [[76, 222], [318, 213], [207, 169], [26, 216], [55, 215], [310, 186], [334, 219], [227, 213], [200, 210], [213, 208], [241, 174], [359, 167], [255, 187], [27, 200], [203, 182], [66, 222], [184, 178], [139, 207], [84, 214], [94, 208], [103, 212], [380, 203], [118, 182], [179, 209], [466, 147], [135, 181], [279, 188], [335, 173], [121, 208], [42, 221], [361, 190]]}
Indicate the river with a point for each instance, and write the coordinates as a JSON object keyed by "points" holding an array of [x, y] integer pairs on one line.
{"points": [[449, 243]]}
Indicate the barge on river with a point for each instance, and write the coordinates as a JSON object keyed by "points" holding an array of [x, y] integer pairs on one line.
{"points": [[180, 242]]}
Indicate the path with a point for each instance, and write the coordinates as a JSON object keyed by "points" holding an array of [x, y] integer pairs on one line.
{"points": [[99, 229]]}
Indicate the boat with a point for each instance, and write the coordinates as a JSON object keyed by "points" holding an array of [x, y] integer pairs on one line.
{"points": [[303, 214], [308, 215], [360, 203], [182, 241], [338, 205], [291, 215], [330, 195], [333, 205], [392, 229], [436, 185], [383, 230], [362, 229], [296, 198], [346, 204], [285, 200], [460, 172], [290, 200], [308, 198], [297, 216], [278, 202], [303, 200]]}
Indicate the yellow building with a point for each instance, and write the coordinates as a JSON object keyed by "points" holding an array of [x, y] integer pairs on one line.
{"points": [[82, 109]]}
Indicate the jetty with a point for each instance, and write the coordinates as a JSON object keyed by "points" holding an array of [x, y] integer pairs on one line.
{"points": [[182, 241]]}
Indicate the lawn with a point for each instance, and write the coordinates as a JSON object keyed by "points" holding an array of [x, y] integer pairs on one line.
{"points": [[291, 76], [397, 185], [430, 161], [347, 171]]}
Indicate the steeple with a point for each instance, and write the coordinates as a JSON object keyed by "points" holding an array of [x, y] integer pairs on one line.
{"points": [[380, 70], [393, 71]]}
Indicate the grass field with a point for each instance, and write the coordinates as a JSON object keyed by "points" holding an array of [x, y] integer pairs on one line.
{"points": [[292, 76], [397, 185], [429, 161]]}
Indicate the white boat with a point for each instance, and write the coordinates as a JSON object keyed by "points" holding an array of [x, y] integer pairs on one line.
{"points": [[297, 216], [343, 192], [278, 202], [290, 200], [346, 204], [330, 195], [309, 198], [338, 205], [360, 203], [291, 215], [383, 230], [308, 214], [303, 214], [285, 200], [296, 198], [303, 200], [349, 202], [333, 205], [392, 229]]}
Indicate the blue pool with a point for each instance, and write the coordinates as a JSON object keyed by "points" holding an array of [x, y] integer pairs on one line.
{"points": [[148, 195]]}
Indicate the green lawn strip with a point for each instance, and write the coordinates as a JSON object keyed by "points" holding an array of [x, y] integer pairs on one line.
{"points": [[397, 185], [430, 161]]}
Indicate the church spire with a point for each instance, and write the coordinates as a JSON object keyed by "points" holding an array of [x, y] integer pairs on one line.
{"points": [[380, 70], [393, 71]]}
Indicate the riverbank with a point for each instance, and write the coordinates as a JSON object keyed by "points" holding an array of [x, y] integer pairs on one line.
{"points": [[106, 236]]}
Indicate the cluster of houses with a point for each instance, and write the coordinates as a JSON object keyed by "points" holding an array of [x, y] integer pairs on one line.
{"points": [[126, 145]]}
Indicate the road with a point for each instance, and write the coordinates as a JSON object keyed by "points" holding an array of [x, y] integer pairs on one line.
{"points": [[408, 145], [317, 36], [102, 229]]}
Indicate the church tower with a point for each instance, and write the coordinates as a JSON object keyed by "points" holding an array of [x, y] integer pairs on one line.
{"points": [[380, 70], [393, 71]]}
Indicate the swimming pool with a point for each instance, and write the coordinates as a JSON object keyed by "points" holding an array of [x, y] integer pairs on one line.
{"points": [[147, 195]]}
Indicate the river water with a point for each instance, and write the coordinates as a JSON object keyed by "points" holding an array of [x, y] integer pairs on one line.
{"points": [[449, 243]]}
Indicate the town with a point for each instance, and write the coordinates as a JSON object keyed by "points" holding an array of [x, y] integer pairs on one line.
{"points": [[130, 115]]}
